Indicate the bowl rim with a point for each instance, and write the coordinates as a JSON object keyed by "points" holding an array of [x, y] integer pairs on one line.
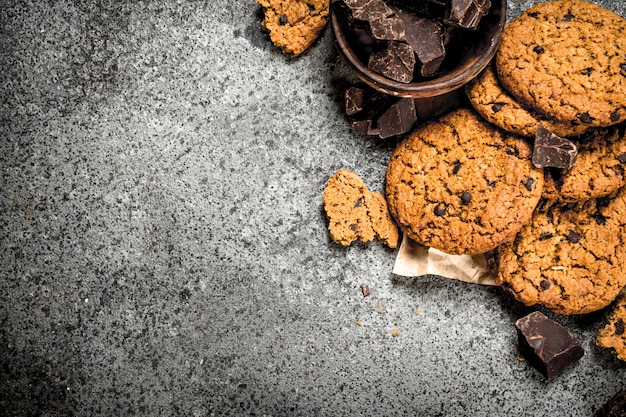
{"points": [[422, 89]]}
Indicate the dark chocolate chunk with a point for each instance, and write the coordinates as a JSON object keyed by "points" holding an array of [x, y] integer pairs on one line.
{"points": [[283, 20], [427, 38], [568, 17], [614, 407], [358, 203], [623, 69], [539, 49], [390, 28], [466, 197], [398, 119], [545, 284], [622, 158], [354, 98], [383, 22], [368, 10], [547, 345], [435, 9], [551, 150], [365, 127], [467, 14], [457, 168], [397, 62], [619, 327]]}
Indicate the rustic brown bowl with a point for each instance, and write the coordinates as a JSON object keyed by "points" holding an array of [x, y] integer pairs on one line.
{"points": [[458, 69]]}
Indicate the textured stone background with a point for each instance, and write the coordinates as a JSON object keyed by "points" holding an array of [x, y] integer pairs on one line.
{"points": [[163, 249]]}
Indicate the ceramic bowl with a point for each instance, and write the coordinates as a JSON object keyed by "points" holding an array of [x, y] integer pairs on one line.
{"points": [[460, 66]]}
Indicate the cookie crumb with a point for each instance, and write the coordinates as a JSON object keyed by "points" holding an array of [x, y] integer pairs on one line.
{"points": [[365, 290]]}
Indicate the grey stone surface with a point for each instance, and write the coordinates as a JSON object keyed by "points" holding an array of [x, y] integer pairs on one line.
{"points": [[163, 249]]}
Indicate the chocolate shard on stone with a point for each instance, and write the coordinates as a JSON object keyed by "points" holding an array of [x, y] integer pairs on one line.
{"points": [[398, 119], [365, 127], [547, 345], [553, 151], [467, 14], [354, 98], [397, 62], [427, 37], [614, 407]]}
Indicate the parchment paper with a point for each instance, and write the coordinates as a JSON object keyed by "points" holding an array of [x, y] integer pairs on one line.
{"points": [[414, 260]]}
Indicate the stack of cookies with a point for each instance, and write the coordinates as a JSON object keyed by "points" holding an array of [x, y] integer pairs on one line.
{"points": [[468, 182]]}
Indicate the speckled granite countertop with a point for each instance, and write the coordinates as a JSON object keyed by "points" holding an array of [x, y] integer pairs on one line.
{"points": [[163, 249]]}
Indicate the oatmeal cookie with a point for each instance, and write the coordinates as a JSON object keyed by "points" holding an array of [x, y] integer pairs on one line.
{"points": [[354, 212], [497, 106], [460, 185], [599, 170], [569, 258], [566, 60], [293, 25]]}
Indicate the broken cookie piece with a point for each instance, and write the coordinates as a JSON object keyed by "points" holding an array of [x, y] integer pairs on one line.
{"points": [[356, 213], [613, 334], [293, 25]]}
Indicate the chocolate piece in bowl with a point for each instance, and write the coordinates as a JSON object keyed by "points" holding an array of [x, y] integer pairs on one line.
{"points": [[467, 52], [396, 62], [467, 14], [428, 40], [547, 345], [373, 113]]}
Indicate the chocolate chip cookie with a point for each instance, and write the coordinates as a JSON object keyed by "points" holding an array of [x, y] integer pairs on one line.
{"points": [[354, 212], [599, 170], [613, 335], [497, 106], [460, 185], [294, 25], [566, 60], [570, 257]]}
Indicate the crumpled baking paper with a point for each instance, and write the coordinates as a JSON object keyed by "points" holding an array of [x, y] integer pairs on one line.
{"points": [[414, 260]]}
